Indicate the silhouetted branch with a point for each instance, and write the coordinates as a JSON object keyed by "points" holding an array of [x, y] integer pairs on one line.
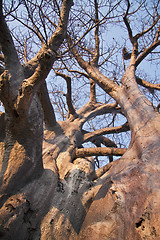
{"points": [[69, 93]]}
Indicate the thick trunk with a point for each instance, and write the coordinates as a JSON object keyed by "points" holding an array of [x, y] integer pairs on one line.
{"points": [[47, 207], [22, 146], [127, 205], [123, 204], [59, 200]]}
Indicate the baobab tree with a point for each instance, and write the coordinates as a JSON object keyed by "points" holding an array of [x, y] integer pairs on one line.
{"points": [[50, 185]]}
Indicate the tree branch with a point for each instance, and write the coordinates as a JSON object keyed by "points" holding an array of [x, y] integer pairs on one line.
{"points": [[92, 110], [48, 111], [92, 85], [6, 41], [123, 128], [104, 82], [38, 33], [96, 33], [56, 39], [100, 171], [100, 22], [98, 140], [92, 98], [127, 23], [69, 93], [147, 84], [138, 35], [30, 86], [106, 151], [146, 52], [39, 67]]}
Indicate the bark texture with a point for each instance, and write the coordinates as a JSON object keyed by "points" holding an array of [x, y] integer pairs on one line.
{"points": [[65, 202], [49, 187]]}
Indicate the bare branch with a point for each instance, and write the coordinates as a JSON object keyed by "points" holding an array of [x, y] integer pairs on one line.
{"points": [[102, 21], [30, 86], [92, 91], [98, 140], [92, 110], [49, 115], [6, 41], [92, 85], [146, 52], [138, 35], [100, 171], [147, 84], [96, 33], [123, 128], [25, 51], [106, 151], [43, 62], [105, 141], [36, 32], [57, 37], [104, 82], [69, 93], [127, 23], [39, 34]]}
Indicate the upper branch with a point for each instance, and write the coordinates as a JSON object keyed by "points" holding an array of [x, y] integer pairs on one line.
{"points": [[123, 128], [92, 85], [69, 93], [92, 91], [48, 111], [57, 37], [147, 51], [30, 85], [104, 82], [38, 33], [127, 23], [134, 39], [6, 42], [138, 35], [147, 84], [96, 33], [89, 111], [38, 68]]}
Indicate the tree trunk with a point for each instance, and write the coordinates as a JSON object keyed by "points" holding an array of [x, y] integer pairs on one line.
{"points": [[127, 206], [50, 193], [65, 203]]}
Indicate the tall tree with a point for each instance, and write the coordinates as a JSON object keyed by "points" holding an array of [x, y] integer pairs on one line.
{"points": [[56, 191]]}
